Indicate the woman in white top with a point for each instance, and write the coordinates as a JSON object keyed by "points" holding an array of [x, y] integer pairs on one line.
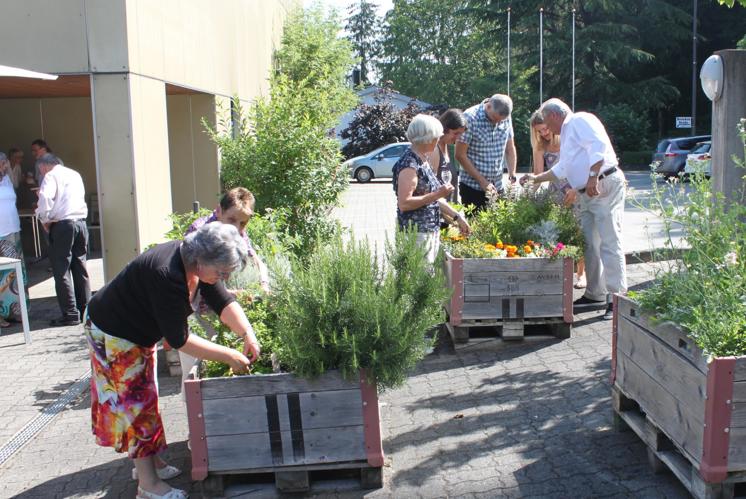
{"points": [[10, 247]]}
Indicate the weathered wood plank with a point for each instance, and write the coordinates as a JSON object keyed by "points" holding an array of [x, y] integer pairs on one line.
{"points": [[262, 384], [528, 306], [666, 332], [670, 415], [740, 373], [331, 409], [481, 265], [235, 452], [675, 373], [479, 287], [737, 449], [235, 415]]}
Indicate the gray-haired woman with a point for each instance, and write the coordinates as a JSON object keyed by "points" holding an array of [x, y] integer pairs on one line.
{"points": [[151, 299], [419, 193]]}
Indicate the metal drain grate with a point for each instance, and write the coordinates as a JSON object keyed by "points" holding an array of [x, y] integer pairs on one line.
{"points": [[39, 422]]}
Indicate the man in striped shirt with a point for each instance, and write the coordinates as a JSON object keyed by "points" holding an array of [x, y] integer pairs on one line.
{"points": [[482, 149]]}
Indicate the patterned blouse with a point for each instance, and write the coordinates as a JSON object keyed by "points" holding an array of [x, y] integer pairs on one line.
{"points": [[425, 218], [559, 187]]}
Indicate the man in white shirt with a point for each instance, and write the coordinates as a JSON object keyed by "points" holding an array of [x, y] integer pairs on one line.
{"points": [[588, 162], [62, 211]]}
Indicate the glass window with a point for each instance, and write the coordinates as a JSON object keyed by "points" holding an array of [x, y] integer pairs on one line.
{"points": [[394, 152]]}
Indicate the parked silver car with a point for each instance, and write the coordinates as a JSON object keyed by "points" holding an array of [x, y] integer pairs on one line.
{"points": [[669, 157], [377, 163], [700, 159]]}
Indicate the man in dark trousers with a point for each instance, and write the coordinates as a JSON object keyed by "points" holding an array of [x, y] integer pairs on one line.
{"points": [[62, 211]]}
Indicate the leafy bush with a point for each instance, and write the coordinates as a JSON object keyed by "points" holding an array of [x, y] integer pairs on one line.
{"points": [[628, 130], [281, 149], [705, 291], [377, 125], [635, 158], [347, 309]]}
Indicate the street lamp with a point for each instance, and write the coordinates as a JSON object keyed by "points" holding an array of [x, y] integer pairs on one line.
{"points": [[711, 77]]}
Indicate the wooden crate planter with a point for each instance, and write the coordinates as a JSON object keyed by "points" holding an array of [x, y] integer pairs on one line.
{"points": [[690, 411], [509, 292], [282, 424]]}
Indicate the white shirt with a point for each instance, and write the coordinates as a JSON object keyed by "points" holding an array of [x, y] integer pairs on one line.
{"points": [[9, 221], [61, 196], [583, 143]]}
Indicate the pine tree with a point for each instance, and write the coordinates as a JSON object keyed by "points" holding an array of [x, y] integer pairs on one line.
{"points": [[363, 26]]}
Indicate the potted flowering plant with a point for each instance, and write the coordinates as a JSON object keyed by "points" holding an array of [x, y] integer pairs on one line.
{"points": [[679, 346], [516, 268]]}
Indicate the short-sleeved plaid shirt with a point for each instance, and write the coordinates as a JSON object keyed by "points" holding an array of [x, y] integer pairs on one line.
{"points": [[486, 143]]}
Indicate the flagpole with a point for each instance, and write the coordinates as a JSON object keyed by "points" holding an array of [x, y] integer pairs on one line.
{"points": [[573, 60], [508, 50], [541, 55]]}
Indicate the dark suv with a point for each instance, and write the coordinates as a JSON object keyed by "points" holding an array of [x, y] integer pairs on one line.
{"points": [[669, 157]]}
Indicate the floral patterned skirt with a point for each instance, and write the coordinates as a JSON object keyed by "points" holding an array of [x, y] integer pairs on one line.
{"points": [[124, 395], [10, 302]]}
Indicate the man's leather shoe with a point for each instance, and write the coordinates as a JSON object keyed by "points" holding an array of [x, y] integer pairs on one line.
{"points": [[584, 304], [609, 314], [64, 321]]}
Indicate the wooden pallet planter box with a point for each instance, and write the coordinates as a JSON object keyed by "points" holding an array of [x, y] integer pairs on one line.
{"points": [[509, 292], [677, 399], [282, 424]]}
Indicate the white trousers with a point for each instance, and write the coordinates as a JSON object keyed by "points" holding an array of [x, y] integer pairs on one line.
{"points": [[601, 219], [431, 242]]}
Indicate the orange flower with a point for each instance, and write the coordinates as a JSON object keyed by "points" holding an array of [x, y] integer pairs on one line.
{"points": [[499, 245], [530, 242], [527, 249], [457, 238]]}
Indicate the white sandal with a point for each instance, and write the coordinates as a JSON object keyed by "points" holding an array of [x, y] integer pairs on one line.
{"points": [[166, 473], [171, 494], [581, 283]]}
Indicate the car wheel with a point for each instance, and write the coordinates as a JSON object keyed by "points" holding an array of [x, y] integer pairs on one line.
{"points": [[364, 174]]}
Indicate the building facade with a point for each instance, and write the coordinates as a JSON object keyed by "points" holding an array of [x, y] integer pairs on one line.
{"points": [[137, 79]]}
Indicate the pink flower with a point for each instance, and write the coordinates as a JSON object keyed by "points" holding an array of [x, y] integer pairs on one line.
{"points": [[558, 248]]}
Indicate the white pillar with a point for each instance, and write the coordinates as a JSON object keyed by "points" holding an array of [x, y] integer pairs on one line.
{"points": [[132, 164]]}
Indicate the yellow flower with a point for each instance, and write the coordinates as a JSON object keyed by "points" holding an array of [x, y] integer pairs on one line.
{"points": [[527, 249], [489, 247], [499, 245]]}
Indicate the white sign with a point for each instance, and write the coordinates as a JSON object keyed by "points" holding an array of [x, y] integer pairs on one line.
{"points": [[683, 122]]}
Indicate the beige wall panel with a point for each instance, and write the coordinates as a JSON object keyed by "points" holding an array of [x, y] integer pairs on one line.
{"points": [[179, 146], [106, 21], [68, 129], [206, 155], [199, 178], [111, 107], [20, 123], [217, 47], [151, 159], [62, 47]]}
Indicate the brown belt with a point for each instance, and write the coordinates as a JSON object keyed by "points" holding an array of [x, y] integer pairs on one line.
{"points": [[605, 174]]}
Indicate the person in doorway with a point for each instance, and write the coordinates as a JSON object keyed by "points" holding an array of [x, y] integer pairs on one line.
{"points": [[10, 247], [62, 210], [15, 156], [151, 299], [588, 161], [419, 193], [38, 149], [545, 147], [481, 151]]}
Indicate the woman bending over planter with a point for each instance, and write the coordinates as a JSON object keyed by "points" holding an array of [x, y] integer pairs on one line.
{"points": [[151, 299], [419, 193]]}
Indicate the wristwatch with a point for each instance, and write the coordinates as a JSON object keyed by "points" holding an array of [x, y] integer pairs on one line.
{"points": [[593, 174], [511, 177]]}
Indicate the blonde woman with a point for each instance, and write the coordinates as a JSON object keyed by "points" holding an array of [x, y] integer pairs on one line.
{"points": [[545, 147]]}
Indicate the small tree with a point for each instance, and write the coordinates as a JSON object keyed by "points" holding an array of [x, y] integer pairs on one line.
{"points": [[377, 125], [281, 149]]}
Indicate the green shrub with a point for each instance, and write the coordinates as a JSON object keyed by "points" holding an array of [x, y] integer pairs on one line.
{"points": [[705, 291], [635, 158], [345, 308], [627, 128], [281, 148]]}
